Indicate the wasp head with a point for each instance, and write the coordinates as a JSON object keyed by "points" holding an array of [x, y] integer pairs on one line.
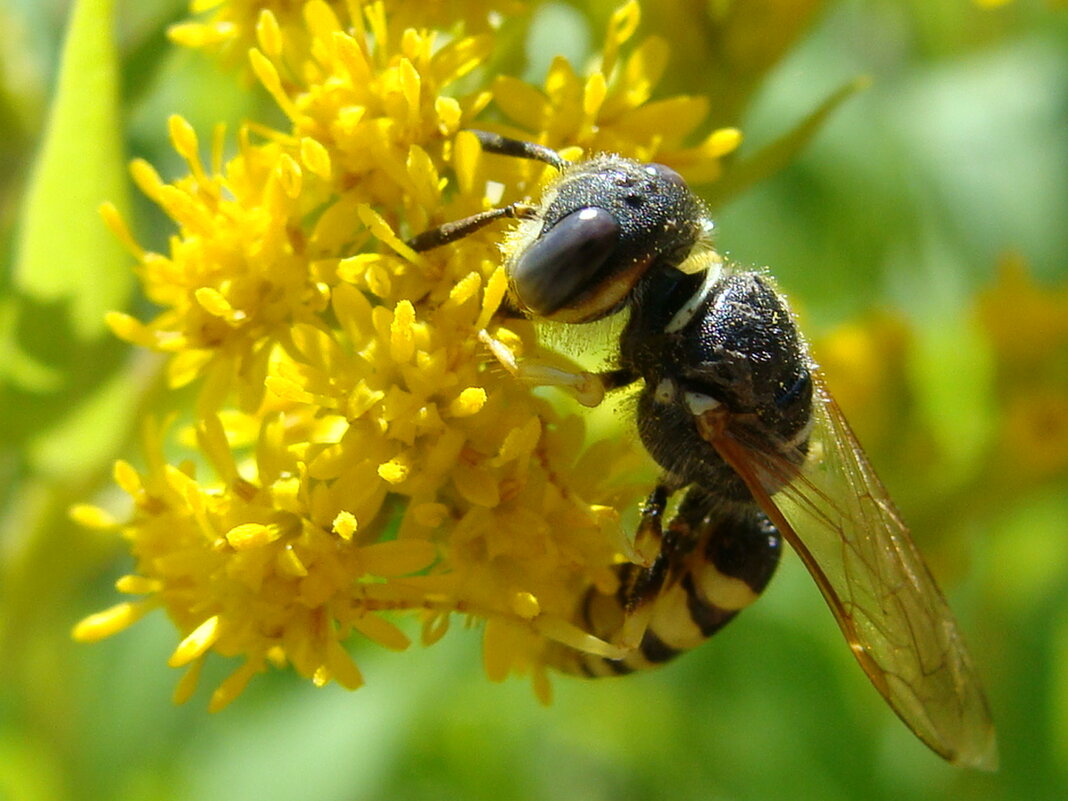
{"points": [[598, 230]]}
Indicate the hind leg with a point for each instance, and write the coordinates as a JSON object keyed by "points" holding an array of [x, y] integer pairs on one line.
{"points": [[624, 616]]}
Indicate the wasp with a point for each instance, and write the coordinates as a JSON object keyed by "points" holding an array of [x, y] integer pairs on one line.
{"points": [[736, 413]]}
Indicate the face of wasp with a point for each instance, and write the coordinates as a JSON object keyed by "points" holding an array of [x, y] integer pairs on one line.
{"points": [[601, 226], [613, 232]]}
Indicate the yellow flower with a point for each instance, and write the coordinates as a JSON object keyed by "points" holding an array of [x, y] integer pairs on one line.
{"points": [[617, 117], [229, 26], [864, 362], [366, 453], [1025, 321], [1035, 437], [1028, 327]]}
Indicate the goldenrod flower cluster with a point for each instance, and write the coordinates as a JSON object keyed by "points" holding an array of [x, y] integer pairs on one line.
{"points": [[355, 450]]}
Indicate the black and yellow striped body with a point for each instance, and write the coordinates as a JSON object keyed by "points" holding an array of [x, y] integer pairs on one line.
{"points": [[718, 339], [714, 561]]}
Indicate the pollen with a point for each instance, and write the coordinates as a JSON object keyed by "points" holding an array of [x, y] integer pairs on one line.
{"points": [[345, 525], [468, 402], [526, 605], [393, 471], [401, 332]]}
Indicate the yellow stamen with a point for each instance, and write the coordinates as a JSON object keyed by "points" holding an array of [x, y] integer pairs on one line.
{"points": [[197, 642], [110, 621], [187, 684], [118, 227], [342, 667], [138, 585], [232, 686], [315, 157], [526, 605], [90, 516], [381, 631], [398, 557], [251, 535], [268, 33]]}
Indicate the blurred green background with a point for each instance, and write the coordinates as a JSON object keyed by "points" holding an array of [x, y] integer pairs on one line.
{"points": [[922, 235]]}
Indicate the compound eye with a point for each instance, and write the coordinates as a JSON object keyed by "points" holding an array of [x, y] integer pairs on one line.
{"points": [[663, 173], [562, 264]]}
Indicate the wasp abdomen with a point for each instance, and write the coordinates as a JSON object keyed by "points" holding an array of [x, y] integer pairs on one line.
{"points": [[713, 564]]}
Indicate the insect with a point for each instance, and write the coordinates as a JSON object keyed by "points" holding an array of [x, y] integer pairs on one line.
{"points": [[736, 413]]}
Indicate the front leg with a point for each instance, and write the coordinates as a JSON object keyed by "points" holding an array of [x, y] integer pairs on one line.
{"points": [[586, 387]]}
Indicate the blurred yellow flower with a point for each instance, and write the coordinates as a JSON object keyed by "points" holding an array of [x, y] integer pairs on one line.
{"points": [[1027, 325], [359, 451], [1036, 431], [864, 361], [1025, 321]]}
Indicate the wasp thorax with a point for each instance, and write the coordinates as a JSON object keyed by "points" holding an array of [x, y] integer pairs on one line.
{"points": [[599, 228], [746, 351]]}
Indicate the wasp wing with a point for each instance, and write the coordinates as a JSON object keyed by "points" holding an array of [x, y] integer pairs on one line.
{"points": [[837, 515]]}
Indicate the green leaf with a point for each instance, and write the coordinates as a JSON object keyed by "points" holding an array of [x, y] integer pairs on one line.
{"points": [[93, 431], [953, 374], [16, 365], [65, 253], [952, 370]]}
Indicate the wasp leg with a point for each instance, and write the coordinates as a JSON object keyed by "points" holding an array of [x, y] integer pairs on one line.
{"points": [[586, 387], [643, 586], [625, 617], [650, 535]]}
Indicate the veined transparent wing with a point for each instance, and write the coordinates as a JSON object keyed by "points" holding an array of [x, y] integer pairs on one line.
{"points": [[836, 514]]}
